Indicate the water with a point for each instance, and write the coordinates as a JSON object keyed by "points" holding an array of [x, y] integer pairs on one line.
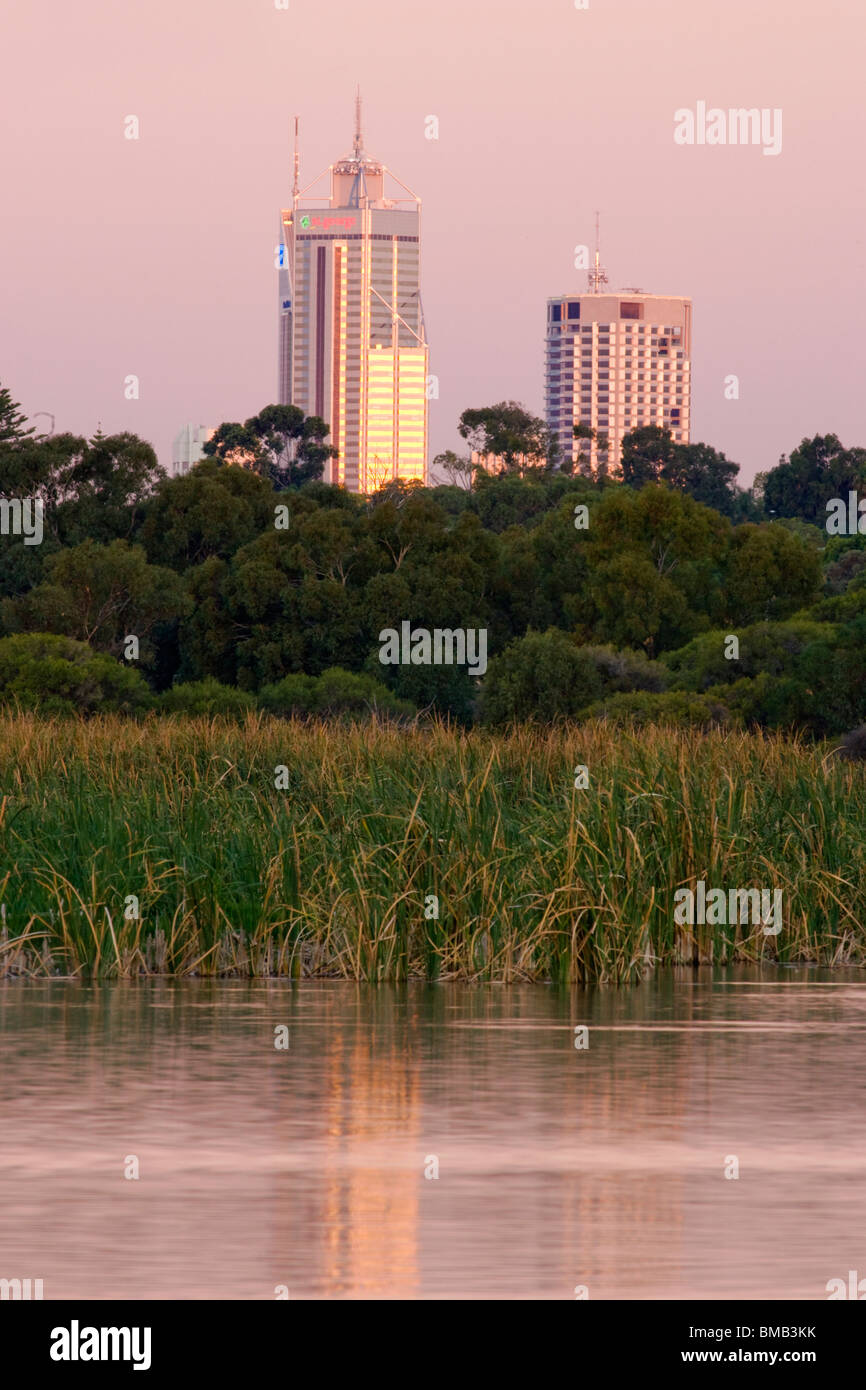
{"points": [[557, 1167]]}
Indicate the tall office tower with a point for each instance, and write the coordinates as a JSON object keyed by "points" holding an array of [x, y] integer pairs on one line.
{"points": [[352, 343], [616, 360]]}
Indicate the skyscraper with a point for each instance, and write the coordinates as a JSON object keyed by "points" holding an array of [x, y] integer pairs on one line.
{"points": [[616, 360], [352, 343]]}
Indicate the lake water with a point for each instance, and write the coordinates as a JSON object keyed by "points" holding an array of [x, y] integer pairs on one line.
{"points": [[557, 1167]]}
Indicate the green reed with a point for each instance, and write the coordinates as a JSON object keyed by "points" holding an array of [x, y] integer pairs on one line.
{"points": [[535, 879]]}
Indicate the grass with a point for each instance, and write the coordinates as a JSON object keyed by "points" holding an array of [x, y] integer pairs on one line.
{"points": [[536, 880]]}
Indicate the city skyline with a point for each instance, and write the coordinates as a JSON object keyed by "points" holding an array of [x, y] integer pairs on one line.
{"points": [[155, 256]]}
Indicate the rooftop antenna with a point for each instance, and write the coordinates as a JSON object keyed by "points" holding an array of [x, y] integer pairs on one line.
{"points": [[359, 142], [597, 276], [296, 186]]}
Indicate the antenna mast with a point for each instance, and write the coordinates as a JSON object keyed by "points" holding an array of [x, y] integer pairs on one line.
{"points": [[359, 142], [597, 276], [296, 186]]}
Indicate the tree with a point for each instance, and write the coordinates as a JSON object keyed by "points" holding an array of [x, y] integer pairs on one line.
{"points": [[585, 432], [645, 453], [770, 573], [508, 431], [280, 443], [90, 489], [396, 490], [818, 469], [100, 594], [105, 487], [209, 511], [12, 420], [665, 541], [651, 455], [457, 469], [705, 474]]}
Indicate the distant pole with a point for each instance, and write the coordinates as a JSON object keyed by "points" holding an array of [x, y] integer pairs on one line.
{"points": [[359, 139], [597, 276], [296, 187]]}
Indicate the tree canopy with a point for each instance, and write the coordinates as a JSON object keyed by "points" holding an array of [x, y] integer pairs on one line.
{"points": [[280, 444]]}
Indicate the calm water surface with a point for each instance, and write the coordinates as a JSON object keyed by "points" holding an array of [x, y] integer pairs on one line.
{"points": [[557, 1167]]}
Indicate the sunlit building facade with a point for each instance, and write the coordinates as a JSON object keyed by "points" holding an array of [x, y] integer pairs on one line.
{"points": [[352, 342]]}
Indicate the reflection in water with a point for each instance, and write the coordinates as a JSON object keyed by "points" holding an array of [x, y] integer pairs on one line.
{"points": [[557, 1167]]}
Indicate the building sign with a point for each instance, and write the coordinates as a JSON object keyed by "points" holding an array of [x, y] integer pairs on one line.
{"points": [[315, 222]]}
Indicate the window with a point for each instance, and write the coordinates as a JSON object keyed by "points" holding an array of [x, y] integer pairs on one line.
{"points": [[630, 310], [574, 309], [555, 313]]}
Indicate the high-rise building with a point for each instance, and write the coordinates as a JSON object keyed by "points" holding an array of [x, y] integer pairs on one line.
{"points": [[615, 360], [352, 343], [188, 447]]}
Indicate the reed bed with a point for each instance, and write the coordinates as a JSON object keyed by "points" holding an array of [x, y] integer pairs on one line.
{"points": [[333, 876]]}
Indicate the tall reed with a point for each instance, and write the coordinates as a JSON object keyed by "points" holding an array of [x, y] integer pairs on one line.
{"points": [[535, 879]]}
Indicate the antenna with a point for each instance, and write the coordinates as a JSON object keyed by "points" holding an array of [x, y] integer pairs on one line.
{"points": [[359, 142], [597, 276], [296, 186]]}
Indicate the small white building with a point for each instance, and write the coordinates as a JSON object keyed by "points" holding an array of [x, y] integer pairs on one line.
{"points": [[188, 447]]}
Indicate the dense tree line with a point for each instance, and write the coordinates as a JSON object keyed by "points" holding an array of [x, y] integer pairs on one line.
{"points": [[248, 582]]}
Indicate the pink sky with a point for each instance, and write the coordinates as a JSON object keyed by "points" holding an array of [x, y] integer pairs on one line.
{"points": [[155, 257]]}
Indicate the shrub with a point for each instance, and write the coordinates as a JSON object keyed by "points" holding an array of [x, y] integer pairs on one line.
{"points": [[625, 671], [58, 675], [295, 694], [541, 677], [853, 748], [845, 571], [209, 696], [335, 691], [678, 708], [820, 689], [771, 648]]}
